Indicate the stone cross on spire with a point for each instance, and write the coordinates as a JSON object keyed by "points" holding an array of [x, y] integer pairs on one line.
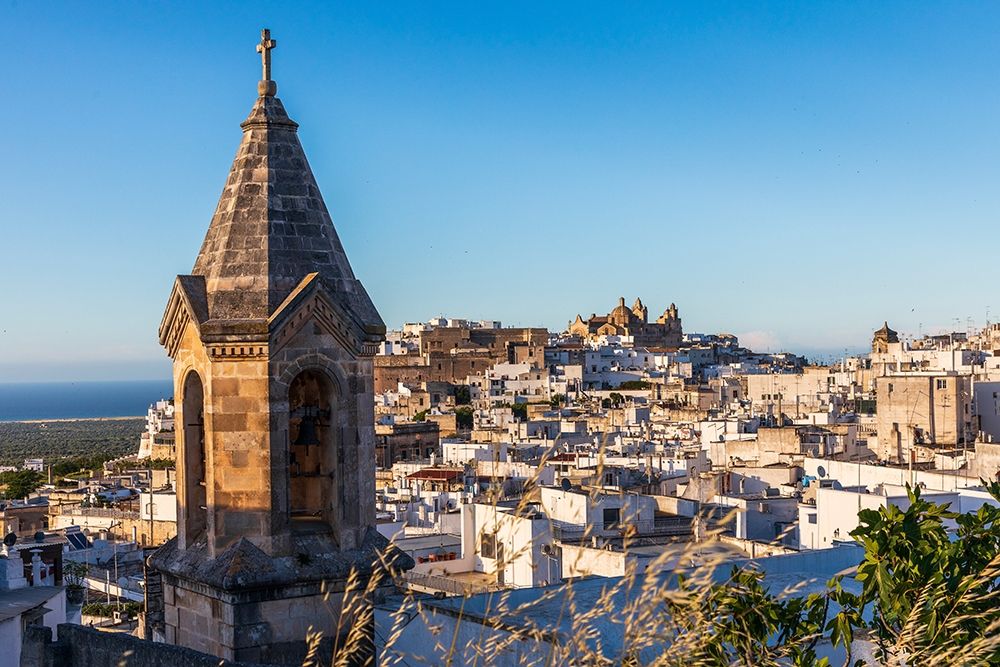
{"points": [[266, 86]]}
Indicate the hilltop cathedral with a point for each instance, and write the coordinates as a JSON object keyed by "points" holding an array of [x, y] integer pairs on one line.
{"points": [[272, 338], [634, 323]]}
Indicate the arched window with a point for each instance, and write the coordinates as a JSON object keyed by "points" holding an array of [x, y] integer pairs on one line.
{"points": [[313, 462], [195, 508]]}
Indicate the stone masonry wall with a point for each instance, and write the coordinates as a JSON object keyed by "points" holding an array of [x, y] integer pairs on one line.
{"points": [[79, 646]]}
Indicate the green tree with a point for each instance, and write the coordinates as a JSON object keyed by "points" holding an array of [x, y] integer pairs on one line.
{"points": [[22, 483], [462, 395], [520, 411], [633, 385], [463, 417], [932, 598], [740, 622]]}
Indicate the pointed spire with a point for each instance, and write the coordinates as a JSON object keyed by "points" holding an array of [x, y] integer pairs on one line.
{"points": [[271, 227]]}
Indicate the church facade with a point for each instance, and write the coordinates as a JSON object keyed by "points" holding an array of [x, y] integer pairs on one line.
{"points": [[272, 338], [883, 338], [665, 332]]}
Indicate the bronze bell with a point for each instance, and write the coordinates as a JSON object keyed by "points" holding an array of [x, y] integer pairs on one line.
{"points": [[307, 432]]}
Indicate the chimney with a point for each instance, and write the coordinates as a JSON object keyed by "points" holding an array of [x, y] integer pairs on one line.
{"points": [[36, 567]]}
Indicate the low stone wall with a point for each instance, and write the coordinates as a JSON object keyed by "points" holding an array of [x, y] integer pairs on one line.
{"points": [[79, 646]]}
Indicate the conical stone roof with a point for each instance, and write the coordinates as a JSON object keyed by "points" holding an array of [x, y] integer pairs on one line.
{"points": [[885, 331], [271, 229]]}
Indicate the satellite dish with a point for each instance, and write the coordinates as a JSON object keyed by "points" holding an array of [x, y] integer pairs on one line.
{"points": [[10, 540], [565, 484]]}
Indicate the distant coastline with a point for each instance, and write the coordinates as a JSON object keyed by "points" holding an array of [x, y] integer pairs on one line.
{"points": [[71, 401], [71, 419]]}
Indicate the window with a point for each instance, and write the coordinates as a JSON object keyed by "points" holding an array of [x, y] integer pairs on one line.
{"points": [[942, 384], [489, 546], [195, 519], [812, 518], [612, 518], [313, 464]]}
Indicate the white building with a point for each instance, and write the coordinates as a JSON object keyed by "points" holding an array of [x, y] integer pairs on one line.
{"points": [[607, 366], [510, 383], [834, 513], [514, 544], [25, 603], [577, 514], [159, 419]]}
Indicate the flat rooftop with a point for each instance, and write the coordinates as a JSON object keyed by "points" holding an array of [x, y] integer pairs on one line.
{"points": [[544, 608], [20, 600], [417, 542]]}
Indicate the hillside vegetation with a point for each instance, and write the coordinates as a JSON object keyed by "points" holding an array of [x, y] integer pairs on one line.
{"points": [[53, 440]]}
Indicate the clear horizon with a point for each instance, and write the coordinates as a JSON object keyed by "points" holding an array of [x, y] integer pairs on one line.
{"points": [[793, 174]]}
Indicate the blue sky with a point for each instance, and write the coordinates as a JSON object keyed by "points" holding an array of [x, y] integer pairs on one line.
{"points": [[795, 173]]}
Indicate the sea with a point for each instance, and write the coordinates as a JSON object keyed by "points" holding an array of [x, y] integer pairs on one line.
{"points": [[80, 400]]}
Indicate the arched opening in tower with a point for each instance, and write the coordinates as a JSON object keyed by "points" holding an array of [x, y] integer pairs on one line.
{"points": [[313, 454], [196, 492]]}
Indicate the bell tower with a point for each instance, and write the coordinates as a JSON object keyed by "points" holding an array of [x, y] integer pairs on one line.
{"points": [[272, 338]]}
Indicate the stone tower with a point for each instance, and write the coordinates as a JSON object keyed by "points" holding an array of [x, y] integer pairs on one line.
{"points": [[640, 310], [272, 339], [883, 338]]}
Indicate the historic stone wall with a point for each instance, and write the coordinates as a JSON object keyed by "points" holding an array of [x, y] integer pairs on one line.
{"points": [[79, 646], [244, 627]]}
